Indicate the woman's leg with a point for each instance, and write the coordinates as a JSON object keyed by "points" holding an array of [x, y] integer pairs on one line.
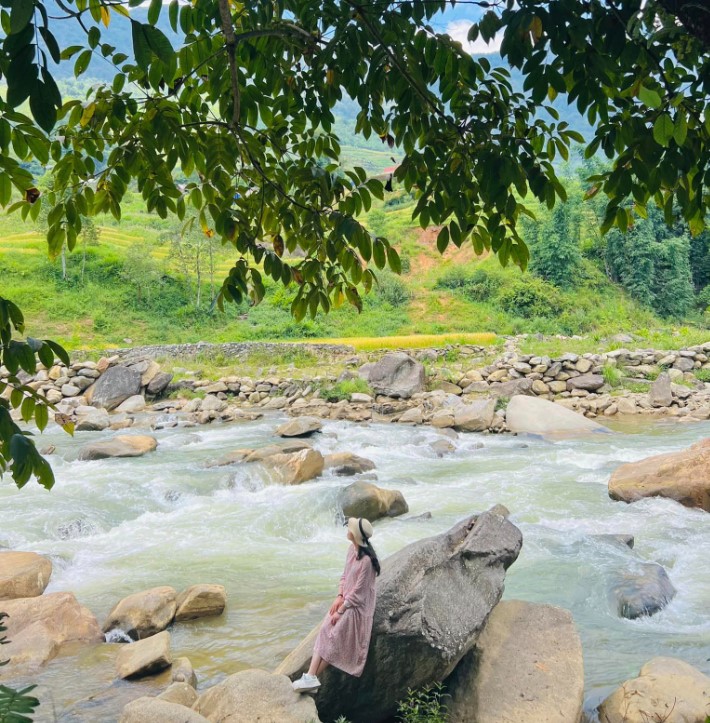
{"points": [[316, 661], [322, 666]]}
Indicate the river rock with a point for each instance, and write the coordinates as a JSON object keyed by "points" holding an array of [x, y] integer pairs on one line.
{"points": [[144, 657], [588, 382], [159, 383], [660, 393], [347, 464], [363, 499], [625, 406], [132, 405], [200, 601], [300, 427], [183, 672], [642, 591], [412, 416], [157, 710], [135, 445], [37, 627], [297, 467], [433, 599], [144, 613], [255, 695], [532, 415], [474, 417], [23, 574], [681, 476], [396, 375], [511, 388], [113, 386], [526, 667], [180, 693], [667, 689], [91, 419], [442, 447]]}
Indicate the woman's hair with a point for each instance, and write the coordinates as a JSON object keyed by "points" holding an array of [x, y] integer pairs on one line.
{"points": [[369, 550]]}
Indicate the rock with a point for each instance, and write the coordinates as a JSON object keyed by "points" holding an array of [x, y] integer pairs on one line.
{"points": [[360, 398], [200, 601], [433, 599], [532, 415], [119, 446], [70, 390], [667, 689], [211, 403], [625, 540], [684, 364], [448, 387], [38, 627], [625, 406], [644, 592], [583, 365], [588, 382], [183, 672], [260, 454], [180, 693], [412, 416], [144, 657], [442, 419], [346, 464], [300, 427], [442, 447], [526, 667], [159, 383], [681, 476], [143, 614], [23, 574], [157, 710], [474, 417], [113, 386], [133, 404], [297, 467], [363, 499], [91, 419], [255, 695], [539, 387], [660, 394], [396, 375], [511, 388]]}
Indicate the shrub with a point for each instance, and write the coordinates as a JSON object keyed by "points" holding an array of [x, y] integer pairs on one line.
{"points": [[703, 375], [343, 389], [612, 375], [392, 289], [423, 706], [454, 279], [530, 297]]}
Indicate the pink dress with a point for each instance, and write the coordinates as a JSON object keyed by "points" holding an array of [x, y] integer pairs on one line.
{"points": [[344, 645]]}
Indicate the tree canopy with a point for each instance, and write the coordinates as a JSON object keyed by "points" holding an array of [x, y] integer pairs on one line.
{"points": [[233, 124]]}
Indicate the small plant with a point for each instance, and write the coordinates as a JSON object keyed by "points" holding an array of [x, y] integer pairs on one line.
{"points": [[423, 706], [612, 375], [15, 705], [703, 375], [501, 403], [342, 390]]}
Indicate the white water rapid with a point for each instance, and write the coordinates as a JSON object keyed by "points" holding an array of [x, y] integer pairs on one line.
{"points": [[118, 526]]}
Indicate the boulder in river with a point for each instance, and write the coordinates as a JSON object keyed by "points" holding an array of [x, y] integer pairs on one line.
{"points": [[297, 467], [144, 613], [37, 627], [362, 499], [255, 695], [157, 710], [23, 574], [526, 667], [433, 599], [132, 405], [396, 375], [144, 657], [122, 445], [642, 592], [180, 693], [260, 454], [347, 464], [200, 601], [474, 417], [532, 415], [91, 419], [300, 427], [114, 386], [183, 672], [681, 476], [667, 689]]}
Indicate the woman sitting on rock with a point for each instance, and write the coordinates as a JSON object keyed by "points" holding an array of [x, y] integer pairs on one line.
{"points": [[344, 636]]}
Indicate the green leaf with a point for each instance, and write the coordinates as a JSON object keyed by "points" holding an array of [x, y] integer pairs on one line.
{"points": [[680, 131], [43, 109], [663, 129], [154, 11], [41, 416], [82, 63], [141, 49], [159, 43], [22, 12], [649, 97]]}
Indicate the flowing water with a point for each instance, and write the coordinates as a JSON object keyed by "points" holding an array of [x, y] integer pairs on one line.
{"points": [[118, 526]]}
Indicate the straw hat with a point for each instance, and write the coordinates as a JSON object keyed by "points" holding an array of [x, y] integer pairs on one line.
{"points": [[361, 530]]}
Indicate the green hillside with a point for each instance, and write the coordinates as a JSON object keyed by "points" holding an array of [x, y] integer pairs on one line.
{"points": [[138, 282]]}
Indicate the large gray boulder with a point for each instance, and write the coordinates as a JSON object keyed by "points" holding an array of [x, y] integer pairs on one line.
{"points": [[532, 415], [396, 375], [159, 383], [144, 613], [114, 386], [144, 657], [474, 417], [660, 394], [300, 427], [255, 695], [527, 667], [362, 499], [433, 599], [643, 591]]}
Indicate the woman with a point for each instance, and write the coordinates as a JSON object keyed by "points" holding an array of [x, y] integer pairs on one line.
{"points": [[344, 636]]}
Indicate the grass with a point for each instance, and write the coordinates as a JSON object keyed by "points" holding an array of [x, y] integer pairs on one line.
{"points": [[612, 375], [345, 389], [414, 341], [703, 375]]}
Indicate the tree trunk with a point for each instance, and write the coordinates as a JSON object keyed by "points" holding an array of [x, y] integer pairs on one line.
{"points": [[64, 263]]}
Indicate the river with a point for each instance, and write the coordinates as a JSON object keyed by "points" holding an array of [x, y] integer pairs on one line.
{"points": [[118, 526]]}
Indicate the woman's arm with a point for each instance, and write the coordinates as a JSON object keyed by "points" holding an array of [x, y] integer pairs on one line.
{"points": [[363, 581]]}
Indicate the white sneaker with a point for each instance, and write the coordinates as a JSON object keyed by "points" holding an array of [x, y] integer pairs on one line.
{"points": [[306, 683]]}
